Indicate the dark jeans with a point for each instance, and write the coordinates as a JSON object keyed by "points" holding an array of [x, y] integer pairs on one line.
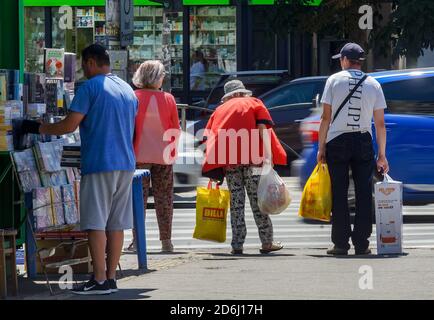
{"points": [[351, 150]]}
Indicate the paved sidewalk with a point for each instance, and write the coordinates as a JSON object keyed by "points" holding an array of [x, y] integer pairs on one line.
{"points": [[289, 274]]}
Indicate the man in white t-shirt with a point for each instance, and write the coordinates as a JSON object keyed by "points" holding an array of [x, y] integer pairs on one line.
{"points": [[345, 141]]}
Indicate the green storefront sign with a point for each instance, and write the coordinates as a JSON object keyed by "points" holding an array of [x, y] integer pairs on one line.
{"points": [[58, 3], [270, 2]]}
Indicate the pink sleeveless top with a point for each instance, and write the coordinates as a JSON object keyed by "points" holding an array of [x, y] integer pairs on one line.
{"points": [[157, 128]]}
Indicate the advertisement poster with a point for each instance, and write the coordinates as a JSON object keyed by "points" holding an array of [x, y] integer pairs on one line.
{"points": [[119, 63], [54, 63], [127, 21], [113, 21]]}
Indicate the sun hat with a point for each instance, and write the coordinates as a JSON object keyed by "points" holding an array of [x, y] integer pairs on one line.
{"points": [[235, 86]]}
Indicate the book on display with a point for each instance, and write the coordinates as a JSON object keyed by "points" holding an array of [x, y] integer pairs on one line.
{"points": [[42, 208]]}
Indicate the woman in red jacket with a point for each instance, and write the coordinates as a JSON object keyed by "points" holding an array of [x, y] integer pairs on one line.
{"points": [[239, 140], [155, 143]]}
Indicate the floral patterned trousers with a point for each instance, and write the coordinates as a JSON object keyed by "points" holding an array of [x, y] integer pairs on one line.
{"points": [[241, 179]]}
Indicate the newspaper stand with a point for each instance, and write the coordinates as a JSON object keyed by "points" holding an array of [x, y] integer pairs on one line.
{"points": [[69, 241]]}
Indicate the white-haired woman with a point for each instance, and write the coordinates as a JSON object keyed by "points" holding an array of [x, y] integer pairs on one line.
{"points": [[157, 116]]}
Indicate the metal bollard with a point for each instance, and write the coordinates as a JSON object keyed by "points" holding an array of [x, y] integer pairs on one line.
{"points": [[139, 218]]}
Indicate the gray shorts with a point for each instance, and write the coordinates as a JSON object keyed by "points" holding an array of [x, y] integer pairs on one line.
{"points": [[106, 202]]}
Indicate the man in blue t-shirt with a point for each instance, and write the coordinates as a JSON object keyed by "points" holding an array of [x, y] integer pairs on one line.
{"points": [[105, 108]]}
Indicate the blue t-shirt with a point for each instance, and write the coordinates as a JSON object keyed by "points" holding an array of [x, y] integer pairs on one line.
{"points": [[110, 106]]}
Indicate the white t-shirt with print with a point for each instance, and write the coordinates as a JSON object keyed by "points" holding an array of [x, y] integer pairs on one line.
{"points": [[357, 114]]}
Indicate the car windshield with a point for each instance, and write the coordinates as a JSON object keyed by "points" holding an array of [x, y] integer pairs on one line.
{"points": [[291, 94], [258, 84]]}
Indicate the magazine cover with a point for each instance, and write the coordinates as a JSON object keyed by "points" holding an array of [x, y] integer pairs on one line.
{"points": [[49, 155], [54, 95], [54, 179], [77, 195], [34, 87], [56, 198], [70, 175], [42, 209], [54, 63], [69, 204], [25, 160], [29, 180]]}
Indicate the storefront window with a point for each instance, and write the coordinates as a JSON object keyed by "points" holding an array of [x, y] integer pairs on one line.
{"points": [[148, 38], [34, 26], [85, 24], [213, 45], [88, 27], [62, 37], [176, 52]]}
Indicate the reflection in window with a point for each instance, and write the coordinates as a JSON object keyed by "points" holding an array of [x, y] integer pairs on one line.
{"points": [[213, 45], [148, 39], [34, 26]]}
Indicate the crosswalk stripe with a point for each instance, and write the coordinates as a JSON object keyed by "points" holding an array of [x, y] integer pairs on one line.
{"points": [[298, 235], [312, 245], [301, 228]]}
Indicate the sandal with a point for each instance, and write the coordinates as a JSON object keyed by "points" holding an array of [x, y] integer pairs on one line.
{"points": [[275, 246], [131, 248]]}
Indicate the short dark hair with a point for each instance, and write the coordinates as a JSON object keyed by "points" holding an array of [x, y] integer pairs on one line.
{"points": [[98, 53], [356, 62]]}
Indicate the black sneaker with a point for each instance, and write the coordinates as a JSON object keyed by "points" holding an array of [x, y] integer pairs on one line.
{"points": [[93, 288], [113, 286], [363, 252], [335, 251]]}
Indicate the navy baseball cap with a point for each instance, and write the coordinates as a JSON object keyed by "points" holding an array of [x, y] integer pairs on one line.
{"points": [[352, 51]]}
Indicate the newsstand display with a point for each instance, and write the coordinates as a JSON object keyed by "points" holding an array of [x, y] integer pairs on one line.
{"points": [[45, 177]]}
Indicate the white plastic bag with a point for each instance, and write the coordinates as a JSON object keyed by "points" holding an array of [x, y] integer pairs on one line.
{"points": [[273, 196]]}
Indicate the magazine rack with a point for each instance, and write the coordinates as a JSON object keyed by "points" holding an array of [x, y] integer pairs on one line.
{"points": [[70, 241], [67, 240]]}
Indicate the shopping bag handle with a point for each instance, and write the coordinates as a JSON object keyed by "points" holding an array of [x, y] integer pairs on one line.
{"points": [[387, 178], [321, 166], [210, 185]]}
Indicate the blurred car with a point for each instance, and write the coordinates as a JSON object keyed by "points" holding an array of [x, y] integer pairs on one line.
{"points": [[188, 166], [410, 133]]}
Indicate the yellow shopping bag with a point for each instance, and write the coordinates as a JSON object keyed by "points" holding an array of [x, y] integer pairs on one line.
{"points": [[316, 201], [211, 211]]}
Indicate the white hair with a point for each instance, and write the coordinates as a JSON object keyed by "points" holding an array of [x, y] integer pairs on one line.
{"points": [[236, 95], [149, 74]]}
